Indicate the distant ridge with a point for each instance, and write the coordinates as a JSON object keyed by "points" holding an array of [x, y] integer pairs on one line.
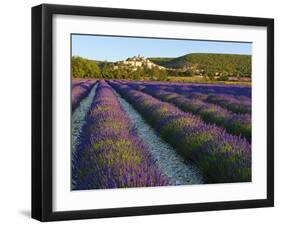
{"points": [[234, 63]]}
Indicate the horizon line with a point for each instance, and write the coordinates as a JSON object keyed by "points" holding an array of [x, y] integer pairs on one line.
{"points": [[163, 56]]}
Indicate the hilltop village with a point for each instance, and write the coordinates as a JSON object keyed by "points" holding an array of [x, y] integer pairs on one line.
{"points": [[136, 62]]}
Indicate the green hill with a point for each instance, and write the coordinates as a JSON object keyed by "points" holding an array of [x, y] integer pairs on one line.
{"points": [[101, 64], [209, 62]]}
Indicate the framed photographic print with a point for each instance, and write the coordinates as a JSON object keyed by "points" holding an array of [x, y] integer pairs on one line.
{"points": [[145, 112]]}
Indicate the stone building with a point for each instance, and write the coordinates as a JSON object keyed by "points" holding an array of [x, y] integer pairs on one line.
{"points": [[138, 61]]}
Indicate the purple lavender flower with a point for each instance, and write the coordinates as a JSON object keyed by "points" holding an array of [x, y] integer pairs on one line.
{"points": [[80, 90], [222, 157], [110, 154], [237, 124]]}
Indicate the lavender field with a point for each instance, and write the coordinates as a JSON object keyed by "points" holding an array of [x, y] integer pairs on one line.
{"points": [[128, 133]]}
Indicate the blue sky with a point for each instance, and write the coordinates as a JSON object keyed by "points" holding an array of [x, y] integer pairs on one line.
{"points": [[119, 48]]}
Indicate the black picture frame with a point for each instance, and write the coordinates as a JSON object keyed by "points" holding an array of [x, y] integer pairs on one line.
{"points": [[42, 108]]}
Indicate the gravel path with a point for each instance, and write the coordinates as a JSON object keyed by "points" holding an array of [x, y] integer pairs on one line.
{"points": [[167, 159]]}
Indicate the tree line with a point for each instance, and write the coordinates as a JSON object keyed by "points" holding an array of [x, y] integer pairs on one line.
{"points": [[85, 68]]}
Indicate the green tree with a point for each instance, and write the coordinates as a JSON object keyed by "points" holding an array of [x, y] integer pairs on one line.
{"points": [[84, 68]]}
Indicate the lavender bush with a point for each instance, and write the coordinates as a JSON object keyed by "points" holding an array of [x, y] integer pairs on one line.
{"points": [[77, 81], [110, 154], [236, 104], [222, 157], [203, 88], [237, 124], [79, 91]]}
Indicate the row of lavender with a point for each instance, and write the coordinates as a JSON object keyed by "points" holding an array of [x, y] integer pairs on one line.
{"points": [[79, 90], [239, 91], [77, 81], [238, 101], [234, 123], [222, 157], [110, 153], [236, 104]]}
